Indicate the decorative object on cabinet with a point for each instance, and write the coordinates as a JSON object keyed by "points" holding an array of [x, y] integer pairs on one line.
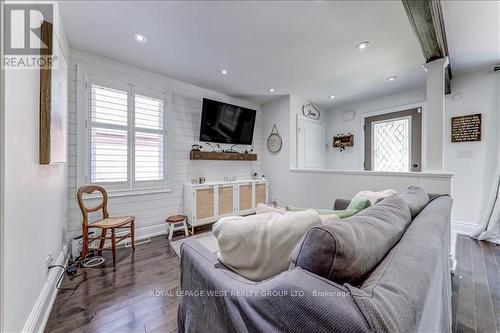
{"points": [[213, 155], [311, 111], [343, 140], [196, 148], [274, 141], [206, 203]]}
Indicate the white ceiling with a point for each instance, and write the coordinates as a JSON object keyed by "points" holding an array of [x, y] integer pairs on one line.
{"points": [[473, 33], [304, 48]]}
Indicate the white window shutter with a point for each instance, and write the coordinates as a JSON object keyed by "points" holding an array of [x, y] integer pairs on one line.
{"points": [[108, 142], [149, 139]]}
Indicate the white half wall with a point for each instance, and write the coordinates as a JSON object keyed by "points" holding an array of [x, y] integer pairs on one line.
{"points": [[320, 188]]}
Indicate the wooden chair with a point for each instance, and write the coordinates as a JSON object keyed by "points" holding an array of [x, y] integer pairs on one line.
{"points": [[111, 223]]}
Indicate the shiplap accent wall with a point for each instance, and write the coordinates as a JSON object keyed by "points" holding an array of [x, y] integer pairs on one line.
{"points": [[150, 210]]}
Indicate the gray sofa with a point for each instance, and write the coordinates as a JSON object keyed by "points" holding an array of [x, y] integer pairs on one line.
{"points": [[406, 287]]}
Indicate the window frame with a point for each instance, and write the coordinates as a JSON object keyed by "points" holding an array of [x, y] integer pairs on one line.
{"points": [[85, 78], [409, 138]]}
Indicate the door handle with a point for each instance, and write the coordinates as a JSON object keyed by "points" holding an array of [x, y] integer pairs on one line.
{"points": [[414, 165]]}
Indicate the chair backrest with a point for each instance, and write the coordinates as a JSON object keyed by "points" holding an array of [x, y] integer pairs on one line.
{"points": [[89, 189]]}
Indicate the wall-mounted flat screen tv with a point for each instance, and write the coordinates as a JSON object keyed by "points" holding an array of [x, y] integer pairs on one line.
{"points": [[226, 123]]}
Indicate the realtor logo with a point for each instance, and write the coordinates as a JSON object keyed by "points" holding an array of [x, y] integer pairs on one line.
{"points": [[23, 23], [28, 32]]}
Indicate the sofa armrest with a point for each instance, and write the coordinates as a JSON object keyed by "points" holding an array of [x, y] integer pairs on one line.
{"points": [[341, 204], [215, 299]]}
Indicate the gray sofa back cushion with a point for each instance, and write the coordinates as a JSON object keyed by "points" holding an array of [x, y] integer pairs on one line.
{"points": [[416, 198], [409, 280], [347, 250]]}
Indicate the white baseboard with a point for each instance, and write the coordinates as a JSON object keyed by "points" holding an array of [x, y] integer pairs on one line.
{"points": [[40, 312], [463, 228], [150, 231]]}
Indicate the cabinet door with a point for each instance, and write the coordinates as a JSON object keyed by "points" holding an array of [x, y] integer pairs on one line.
{"points": [[245, 197], [260, 193], [204, 203], [226, 200]]}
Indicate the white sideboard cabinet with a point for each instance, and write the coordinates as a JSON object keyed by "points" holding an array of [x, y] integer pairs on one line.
{"points": [[206, 203]]}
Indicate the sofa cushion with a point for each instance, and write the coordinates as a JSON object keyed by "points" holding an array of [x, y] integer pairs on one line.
{"points": [[407, 286], [359, 203], [259, 246], [354, 207], [416, 198], [347, 250], [374, 197]]}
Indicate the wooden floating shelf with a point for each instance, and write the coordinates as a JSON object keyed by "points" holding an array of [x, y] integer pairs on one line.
{"points": [[212, 155]]}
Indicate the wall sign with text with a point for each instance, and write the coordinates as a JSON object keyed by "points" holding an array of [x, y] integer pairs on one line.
{"points": [[466, 128]]}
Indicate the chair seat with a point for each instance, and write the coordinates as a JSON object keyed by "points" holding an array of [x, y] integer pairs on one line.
{"points": [[112, 222], [176, 218]]}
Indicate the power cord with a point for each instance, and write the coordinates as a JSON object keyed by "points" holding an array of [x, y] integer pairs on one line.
{"points": [[71, 271]]}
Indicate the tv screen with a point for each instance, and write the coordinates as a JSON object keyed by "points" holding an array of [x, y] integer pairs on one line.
{"points": [[226, 123]]}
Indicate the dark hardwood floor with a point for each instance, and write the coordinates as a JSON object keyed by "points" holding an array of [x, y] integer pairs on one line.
{"points": [[140, 295], [476, 286]]}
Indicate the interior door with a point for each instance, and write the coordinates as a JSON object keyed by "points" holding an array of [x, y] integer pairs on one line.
{"points": [[393, 141], [310, 144]]}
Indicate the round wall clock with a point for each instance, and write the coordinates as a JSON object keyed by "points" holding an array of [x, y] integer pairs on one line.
{"points": [[274, 141]]}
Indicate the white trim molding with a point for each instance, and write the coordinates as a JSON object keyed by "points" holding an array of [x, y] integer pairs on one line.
{"points": [[463, 228], [40, 312], [446, 175]]}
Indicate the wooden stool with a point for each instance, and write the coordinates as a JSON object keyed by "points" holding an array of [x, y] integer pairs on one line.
{"points": [[176, 222]]}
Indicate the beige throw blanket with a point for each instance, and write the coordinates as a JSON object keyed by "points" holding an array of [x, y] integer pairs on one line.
{"points": [[259, 246]]}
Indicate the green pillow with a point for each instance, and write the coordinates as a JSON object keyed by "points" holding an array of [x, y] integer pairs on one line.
{"points": [[359, 203]]}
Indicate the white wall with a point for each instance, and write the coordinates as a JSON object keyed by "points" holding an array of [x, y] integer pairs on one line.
{"points": [[35, 207], [473, 162], [352, 158], [151, 210], [276, 113], [320, 188]]}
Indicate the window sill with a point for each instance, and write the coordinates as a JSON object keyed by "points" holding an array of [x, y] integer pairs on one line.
{"points": [[134, 192]]}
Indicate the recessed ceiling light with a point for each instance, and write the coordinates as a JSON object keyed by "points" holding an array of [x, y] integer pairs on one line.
{"points": [[392, 78], [332, 96], [223, 72], [363, 45], [140, 37], [271, 90]]}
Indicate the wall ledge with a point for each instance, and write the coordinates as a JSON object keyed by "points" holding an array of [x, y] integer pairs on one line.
{"points": [[446, 175]]}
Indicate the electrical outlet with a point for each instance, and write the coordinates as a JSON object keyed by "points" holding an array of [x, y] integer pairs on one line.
{"points": [[49, 261]]}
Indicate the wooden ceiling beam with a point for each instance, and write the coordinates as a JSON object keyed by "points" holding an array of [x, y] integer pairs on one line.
{"points": [[426, 19]]}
